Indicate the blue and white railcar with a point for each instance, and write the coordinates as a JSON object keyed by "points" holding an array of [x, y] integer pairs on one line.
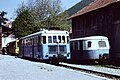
{"points": [[46, 45], [89, 48]]}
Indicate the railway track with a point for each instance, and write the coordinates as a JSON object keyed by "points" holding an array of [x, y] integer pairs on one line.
{"points": [[112, 67], [102, 74]]}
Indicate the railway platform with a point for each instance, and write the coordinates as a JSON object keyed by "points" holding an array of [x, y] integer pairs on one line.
{"points": [[12, 68]]}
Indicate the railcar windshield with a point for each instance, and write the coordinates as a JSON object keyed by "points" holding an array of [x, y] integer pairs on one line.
{"points": [[49, 39], [54, 39], [61, 39], [102, 44], [54, 49]]}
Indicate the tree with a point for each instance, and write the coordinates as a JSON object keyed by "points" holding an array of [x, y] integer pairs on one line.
{"points": [[23, 24], [2, 19], [42, 14]]}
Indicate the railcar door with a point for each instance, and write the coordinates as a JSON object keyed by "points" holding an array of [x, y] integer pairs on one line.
{"points": [[33, 48], [39, 42], [23, 47], [81, 47]]}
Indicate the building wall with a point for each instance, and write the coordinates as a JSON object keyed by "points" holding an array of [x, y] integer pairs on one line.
{"points": [[104, 21], [6, 40]]}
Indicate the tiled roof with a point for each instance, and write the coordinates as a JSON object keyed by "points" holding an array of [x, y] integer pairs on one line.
{"points": [[77, 7], [93, 6]]}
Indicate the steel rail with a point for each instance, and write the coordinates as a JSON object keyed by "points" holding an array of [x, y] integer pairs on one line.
{"points": [[102, 74]]}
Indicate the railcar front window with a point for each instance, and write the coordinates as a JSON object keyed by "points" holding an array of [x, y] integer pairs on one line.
{"points": [[59, 37], [102, 44], [49, 39], [63, 39], [62, 48], [54, 39], [52, 48]]}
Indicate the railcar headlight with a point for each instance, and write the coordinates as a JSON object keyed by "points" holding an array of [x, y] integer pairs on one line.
{"points": [[68, 54], [100, 56], [46, 55]]}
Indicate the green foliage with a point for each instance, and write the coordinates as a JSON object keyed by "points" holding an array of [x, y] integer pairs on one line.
{"points": [[2, 19], [40, 14], [23, 24]]}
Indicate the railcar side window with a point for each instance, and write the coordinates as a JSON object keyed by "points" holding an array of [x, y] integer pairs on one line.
{"points": [[67, 39], [27, 42], [44, 39], [23, 42], [30, 41], [89, 44], [59, 37], [39, 40], [54, 39], [39, 48], [49, 39], [102, 44], [63, 39], [36, 39]]}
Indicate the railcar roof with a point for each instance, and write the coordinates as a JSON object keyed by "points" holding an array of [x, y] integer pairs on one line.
{"points": [[47, 32], [90, 38]]}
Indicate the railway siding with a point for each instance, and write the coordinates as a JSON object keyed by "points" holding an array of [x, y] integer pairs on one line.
{"points": [[99, 69]]}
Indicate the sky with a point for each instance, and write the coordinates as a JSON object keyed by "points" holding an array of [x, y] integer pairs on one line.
{"points": [[10, 6]]}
